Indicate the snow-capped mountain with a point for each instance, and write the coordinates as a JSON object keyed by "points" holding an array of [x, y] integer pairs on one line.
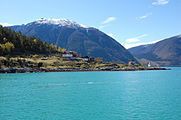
{"points": [[58, 22], [86, 41]]}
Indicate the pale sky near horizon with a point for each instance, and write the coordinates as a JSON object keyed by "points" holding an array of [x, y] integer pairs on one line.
{"points": [[130, 22]]}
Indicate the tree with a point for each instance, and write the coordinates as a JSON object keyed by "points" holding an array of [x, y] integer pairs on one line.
{"points": [[9, 47], [15, 43], [6, 48]]}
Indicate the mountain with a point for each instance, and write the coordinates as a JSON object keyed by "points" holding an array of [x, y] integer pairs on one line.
{"points": [[166, 52], [13, 43], [87, 41]]}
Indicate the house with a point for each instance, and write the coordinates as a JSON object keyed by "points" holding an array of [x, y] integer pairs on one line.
{"points": [[69, 54], [87, 59]]}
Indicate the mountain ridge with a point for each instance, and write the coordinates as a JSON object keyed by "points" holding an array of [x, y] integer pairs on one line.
{"points": [[72, 36], [166, 52]]}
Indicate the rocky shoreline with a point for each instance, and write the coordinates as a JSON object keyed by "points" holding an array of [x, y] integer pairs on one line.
{"points": [[35, 70]]}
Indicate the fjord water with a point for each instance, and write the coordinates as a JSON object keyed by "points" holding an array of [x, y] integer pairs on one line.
{"points": [[121, 95]]}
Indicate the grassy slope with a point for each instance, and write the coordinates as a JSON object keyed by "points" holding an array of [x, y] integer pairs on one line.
{"points": [[53, 61]]}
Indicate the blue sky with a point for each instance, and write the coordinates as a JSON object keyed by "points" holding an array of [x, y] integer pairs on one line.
{"points": [[130, 22]]}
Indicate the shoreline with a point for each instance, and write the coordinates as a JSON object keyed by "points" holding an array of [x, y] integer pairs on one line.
{"points": [[37, 70]]}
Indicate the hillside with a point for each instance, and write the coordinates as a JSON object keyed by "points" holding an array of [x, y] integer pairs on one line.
{"points": [[86, 41], [164, 53], [13, 43]]}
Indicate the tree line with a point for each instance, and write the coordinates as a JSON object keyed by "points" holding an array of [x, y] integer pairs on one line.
{"points": [[15, 43]]}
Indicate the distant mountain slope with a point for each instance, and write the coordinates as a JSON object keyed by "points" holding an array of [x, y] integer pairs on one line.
{"points": [[72, 36], [165, 53], [12, 43]]}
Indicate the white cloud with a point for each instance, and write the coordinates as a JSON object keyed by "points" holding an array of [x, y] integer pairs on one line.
{"points": [[102, 26], [135, 39], [108, 20], [145, 16], [127, 46], [131, 40], [6, 24], [160, 2], [130, 45]]}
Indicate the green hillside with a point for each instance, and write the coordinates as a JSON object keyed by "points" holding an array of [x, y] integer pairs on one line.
{"points": [[15, 43]]}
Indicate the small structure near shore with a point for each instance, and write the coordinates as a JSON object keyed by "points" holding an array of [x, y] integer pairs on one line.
{"points": [[149, 64]]}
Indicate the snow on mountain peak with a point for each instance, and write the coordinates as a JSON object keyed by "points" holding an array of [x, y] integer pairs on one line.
{"points": [[60, 22]]}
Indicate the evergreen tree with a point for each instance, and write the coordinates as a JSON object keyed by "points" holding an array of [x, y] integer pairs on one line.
{"points": [[15, 43]]}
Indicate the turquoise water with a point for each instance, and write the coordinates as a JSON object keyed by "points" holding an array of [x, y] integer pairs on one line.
{"points": [[126, 95]]}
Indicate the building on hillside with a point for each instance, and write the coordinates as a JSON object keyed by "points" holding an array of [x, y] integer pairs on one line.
{"points": [[99, 60], [69, 54], [87, 59]]}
